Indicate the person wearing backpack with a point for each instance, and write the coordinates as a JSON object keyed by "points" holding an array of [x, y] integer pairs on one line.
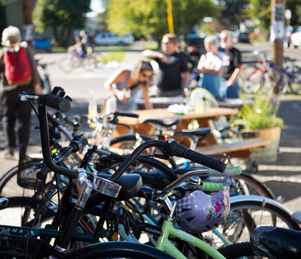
{"points": [[18, 73]]}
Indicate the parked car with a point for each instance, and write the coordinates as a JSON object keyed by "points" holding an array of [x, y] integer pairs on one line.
{"points": [[109, 38], [287, 36], [295, 40], [243, 37], [42, 43], [194, 45]]}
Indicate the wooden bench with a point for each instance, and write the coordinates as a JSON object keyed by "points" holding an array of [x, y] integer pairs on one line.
{"points": [[241, 149]]}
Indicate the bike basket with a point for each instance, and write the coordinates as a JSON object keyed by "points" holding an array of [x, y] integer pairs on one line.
{"points": [[29, 156], [16, 246]]}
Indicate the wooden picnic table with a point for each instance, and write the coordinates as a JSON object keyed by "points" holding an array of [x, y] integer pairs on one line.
{"points": [[202, 119], [240, 149]]}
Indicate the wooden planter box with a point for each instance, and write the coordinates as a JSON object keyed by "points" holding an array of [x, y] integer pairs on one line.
{"points": [[270, 153]]}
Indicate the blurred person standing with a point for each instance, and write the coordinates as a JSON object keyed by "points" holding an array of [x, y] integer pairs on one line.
{"points": [[172, 67], [124, 85], [232, 64], [210, 65], [18, 73]]}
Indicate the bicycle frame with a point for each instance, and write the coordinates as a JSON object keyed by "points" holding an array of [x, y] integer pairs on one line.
{"points": [[165, 245]]}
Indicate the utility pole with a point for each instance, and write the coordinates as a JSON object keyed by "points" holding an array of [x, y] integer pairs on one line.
{"points": [[277, 31], [169, 16], [28, 27]]}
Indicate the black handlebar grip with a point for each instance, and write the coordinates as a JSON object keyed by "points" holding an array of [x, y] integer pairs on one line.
{"points": [[127, 114], [205, 160], [176, 149], [43, 172], [58, 103]]}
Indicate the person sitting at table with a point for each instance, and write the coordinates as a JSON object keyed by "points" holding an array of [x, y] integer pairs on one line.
{"points": [[210, 65], [124, 85]]}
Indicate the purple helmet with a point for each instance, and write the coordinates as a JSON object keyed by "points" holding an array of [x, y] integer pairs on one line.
{"points": [[199, 212]]}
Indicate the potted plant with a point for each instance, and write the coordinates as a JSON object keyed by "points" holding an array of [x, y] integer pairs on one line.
{"points": [[260, 121]]}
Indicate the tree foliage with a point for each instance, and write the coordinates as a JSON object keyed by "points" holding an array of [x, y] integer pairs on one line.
{"points": [[261, 10], [150, 17], [233, 12], [62, 16]]}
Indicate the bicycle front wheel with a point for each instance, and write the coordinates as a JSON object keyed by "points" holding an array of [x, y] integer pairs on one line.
{"points": [[118, 250], [89, 63]]}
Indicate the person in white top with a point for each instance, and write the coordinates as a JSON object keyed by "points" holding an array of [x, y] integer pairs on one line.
{"points": [[210, 66]]}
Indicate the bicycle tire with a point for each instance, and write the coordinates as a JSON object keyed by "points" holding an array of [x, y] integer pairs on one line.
{"points": [[249, 212], [238, 251], [282, 82], [118, 250], [11, 178], [273, 81], [261, 188], [130, 140], [127, 142], [20, 210], [66, 64]]}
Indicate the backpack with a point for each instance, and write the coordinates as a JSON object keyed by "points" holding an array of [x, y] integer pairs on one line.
{"points": [[17, 66]]}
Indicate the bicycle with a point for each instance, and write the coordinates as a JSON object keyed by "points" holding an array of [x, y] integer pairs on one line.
{"points": [[145, 145], [71, 61], [84, 187], [107, 187], [266, 77], [45, 81], [293, 70]]}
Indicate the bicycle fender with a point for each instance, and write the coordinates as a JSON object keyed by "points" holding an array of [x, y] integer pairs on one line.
{"points": [[257, 198]]}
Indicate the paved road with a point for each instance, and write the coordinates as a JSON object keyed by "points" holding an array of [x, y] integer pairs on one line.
{"points": [[283, 177]]}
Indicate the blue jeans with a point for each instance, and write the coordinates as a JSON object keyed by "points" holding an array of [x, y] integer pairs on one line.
{"points": [[233, 91]]}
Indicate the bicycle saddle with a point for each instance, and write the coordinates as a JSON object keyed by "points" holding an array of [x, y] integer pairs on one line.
{"points": [[275, 242], [131, 185], [163, 123], [154, 179], [204, 132]]}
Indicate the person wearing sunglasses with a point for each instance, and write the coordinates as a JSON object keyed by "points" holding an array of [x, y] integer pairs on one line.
{"points": [[124, 85], [173, 70]]}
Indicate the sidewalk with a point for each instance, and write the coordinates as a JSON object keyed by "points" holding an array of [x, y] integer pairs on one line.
{"points": [[133, 56]]}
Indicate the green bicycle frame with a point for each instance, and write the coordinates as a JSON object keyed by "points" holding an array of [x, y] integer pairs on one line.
{"points": [[165, 245]]}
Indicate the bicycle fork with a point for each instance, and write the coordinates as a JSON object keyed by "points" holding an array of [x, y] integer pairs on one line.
{"points": [[84, 188]]}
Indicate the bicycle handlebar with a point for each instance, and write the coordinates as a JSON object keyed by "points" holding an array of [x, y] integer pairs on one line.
{"points": [[53, 101], [126, 114], [179, 150]]}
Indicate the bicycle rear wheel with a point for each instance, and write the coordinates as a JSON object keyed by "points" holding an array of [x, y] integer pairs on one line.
{"points": [[66, 64]]}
